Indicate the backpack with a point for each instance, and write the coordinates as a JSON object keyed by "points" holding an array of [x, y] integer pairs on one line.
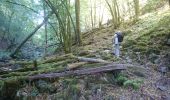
{"points": [[120, 36]]}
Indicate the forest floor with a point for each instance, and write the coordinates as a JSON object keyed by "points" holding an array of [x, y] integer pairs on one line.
{"points": [[146, 46]]}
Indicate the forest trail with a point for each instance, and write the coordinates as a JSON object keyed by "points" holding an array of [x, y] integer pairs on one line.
{"points": [[100, 43], [146, 80]]}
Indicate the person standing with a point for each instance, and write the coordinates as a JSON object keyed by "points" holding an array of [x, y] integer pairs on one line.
{"points": [[117, 39]]}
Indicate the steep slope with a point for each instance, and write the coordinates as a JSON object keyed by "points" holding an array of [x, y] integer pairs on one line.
{"points": [[148, 36], [145, 45]]}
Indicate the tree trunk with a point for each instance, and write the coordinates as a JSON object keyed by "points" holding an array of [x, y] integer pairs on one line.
{"points": [[77, 12], [92, 60], [136, 6], [45, 30], [29, 36], [91, 15], [112, 11], [102, 69]]}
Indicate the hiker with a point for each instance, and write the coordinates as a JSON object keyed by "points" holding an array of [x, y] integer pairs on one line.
{"points": [[117, 39]]}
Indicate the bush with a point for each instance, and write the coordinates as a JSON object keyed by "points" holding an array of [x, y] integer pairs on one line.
{"points": [[135, 84], [122, 80]]}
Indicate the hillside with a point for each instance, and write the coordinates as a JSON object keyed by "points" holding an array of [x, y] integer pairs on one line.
{"points": [[146, 45]]}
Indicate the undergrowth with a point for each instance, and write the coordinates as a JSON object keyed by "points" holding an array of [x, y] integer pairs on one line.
{"points": [[122, 80]]}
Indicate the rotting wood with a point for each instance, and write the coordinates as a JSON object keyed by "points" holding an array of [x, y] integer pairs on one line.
{"points": [[102, 69], [92, 60], [4, 70], [70, 56], [75, 65]]}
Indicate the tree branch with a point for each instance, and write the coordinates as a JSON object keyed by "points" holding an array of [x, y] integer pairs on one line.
{"points": [[23, 6], [30, 35]]}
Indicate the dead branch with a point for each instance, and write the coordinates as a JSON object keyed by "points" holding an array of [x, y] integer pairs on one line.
{"points": [[92, 60], [102, 69], [30, 35]]}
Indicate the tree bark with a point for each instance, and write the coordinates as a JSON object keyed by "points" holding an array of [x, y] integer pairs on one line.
{"points": [[102, 69], [92, 60], [77, 12], [30, 35], [136, 6], [45, 30]]}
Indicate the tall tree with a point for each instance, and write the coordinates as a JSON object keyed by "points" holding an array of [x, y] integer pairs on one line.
{"points": [[29, 36], [78, 31], [45, 28], [136, 6], [114, 10]]}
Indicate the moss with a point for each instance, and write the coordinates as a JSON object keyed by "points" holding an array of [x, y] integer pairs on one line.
{"points": [[59, 58], [84, 53], [151, 36], [72, 92], [11, 85], [135, 84], [91, 65], [107, 56], [129, 43], [121, 79], [154, 50], [138, 48], [142, 43], [28, 73], [90, 55]]}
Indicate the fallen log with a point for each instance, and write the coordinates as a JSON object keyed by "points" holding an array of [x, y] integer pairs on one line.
{"points": [[4, 70], [102, 69], [75, 65], [92, 60]]}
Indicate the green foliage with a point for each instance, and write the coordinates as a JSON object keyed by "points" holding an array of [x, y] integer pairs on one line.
{"points": [[150, 37], [135, 84], [122, 80]]}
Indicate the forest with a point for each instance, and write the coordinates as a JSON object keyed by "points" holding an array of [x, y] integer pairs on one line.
{"points": [[84, 49]]}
